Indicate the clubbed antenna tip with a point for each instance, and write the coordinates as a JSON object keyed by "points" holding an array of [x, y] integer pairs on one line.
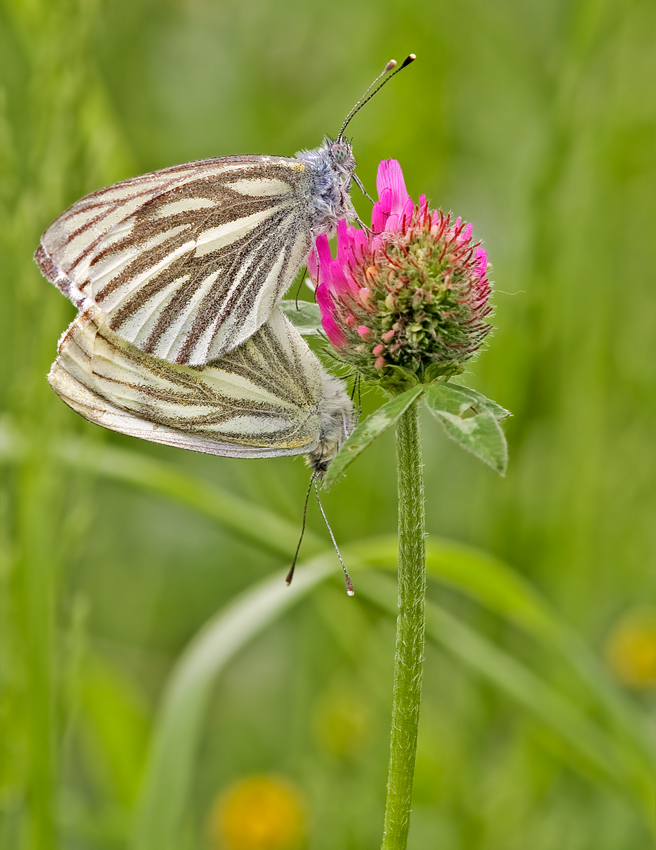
{"points": [[366, 97]]}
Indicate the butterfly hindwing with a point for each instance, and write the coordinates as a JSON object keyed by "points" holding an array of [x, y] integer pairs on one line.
{"points": [[263, 399], [188, 262]]}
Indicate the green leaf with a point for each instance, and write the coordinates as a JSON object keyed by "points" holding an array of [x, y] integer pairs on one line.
{"points": [[479, 433], [479, 402], [368, 430], [305, 316]]}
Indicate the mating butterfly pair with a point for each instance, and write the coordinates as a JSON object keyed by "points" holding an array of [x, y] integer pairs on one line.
{"points": [[177, 276]]}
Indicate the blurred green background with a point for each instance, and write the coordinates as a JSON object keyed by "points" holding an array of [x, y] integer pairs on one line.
{"points": [[119, 726]]}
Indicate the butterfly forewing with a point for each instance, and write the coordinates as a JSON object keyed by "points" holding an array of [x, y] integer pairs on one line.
{"points": [[188, 262], [261, 400]]}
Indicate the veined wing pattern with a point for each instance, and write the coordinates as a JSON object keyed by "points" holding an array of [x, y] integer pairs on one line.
{"points": [[188, 262], [261, 400]]}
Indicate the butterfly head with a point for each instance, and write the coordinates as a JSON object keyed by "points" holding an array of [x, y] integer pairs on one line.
{"points": [[336, 418], [331, 168], [341, 155]]}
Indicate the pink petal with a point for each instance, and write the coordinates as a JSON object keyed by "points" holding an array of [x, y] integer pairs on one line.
{"points": [[342, 241], [465, 236], [311, 263], [393, 224], [379, 217], [338, 283], [390, 177], [352, 284], [324, 300], [327, 307], [408, 210], [333, 331], [361, 248], [325, 257], [481, 261]]}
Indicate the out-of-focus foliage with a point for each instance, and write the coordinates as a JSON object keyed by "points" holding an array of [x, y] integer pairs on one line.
{"points": [[129, 698]]}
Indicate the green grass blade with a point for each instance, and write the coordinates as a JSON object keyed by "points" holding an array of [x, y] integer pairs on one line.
{"points": [[159, 820], [368, 430], [476, 573], [116, 720], [248, 521], [499, 588], [583, 737]]}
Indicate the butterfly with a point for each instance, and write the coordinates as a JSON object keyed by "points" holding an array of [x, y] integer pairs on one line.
{"points": [[188, 262], [268, 397]]}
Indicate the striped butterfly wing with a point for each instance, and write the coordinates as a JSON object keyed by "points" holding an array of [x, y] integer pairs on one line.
{"points": [[261, 400], [188, 262]]}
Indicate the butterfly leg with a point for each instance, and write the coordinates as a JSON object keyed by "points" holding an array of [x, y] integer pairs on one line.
{"points": [[360, 186], [300, 283]]}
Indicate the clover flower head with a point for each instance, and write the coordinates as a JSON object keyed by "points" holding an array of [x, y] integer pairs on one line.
{"points": [[412, 293]]}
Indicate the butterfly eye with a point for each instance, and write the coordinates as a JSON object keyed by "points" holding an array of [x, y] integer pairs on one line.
{"points": [[340, 153]]}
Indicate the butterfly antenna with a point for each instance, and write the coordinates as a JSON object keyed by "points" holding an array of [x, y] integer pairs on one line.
{"points": [[290, 574], [349, 585], [366, 97]]}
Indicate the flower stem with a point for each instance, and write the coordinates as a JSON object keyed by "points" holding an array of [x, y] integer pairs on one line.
{"points": [[410, 628]]}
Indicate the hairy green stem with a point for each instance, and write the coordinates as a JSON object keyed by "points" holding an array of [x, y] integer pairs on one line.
{"points": [[410, 628]]}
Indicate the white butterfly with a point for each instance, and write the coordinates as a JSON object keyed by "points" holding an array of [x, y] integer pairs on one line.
{"points": [[268, 397], [188, 262]]}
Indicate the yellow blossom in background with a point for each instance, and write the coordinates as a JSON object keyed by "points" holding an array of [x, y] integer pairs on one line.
{"points": [[341, 723], [258, 813], [631, 648]]}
